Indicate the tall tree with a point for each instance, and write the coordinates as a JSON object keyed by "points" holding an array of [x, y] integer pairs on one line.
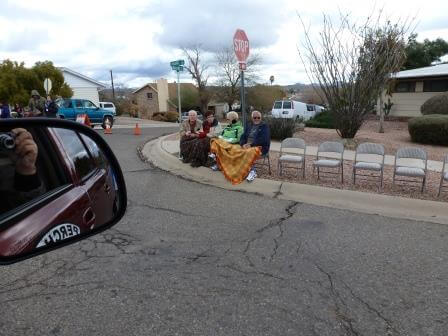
{"points": [[46, 69], [198, 69], [351, 64], [422, 54], [262, 97], [229, 74]]}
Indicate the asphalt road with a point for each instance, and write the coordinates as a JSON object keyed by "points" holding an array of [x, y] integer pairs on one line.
{"points": [[189, 259]]}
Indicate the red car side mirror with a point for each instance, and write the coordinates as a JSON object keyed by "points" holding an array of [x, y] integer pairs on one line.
{"points": [[59, 183]]}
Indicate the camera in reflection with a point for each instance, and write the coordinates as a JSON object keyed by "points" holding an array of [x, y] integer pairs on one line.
{"points": [[7, 141]]}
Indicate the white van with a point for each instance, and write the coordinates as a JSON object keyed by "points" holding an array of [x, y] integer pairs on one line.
{"points": [[292, 109], [108, 106]]}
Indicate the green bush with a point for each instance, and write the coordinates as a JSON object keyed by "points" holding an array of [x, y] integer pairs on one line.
{"points": [[435, 105], [281, 128], [171, 116], [432, 129], [322, 120]]}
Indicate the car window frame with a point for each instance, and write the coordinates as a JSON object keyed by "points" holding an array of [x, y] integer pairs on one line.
{"points": [[18, 213]]}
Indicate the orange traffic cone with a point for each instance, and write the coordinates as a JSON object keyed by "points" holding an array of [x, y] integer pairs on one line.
{"points": [[137, 130], [83, 119], [108, 129]]}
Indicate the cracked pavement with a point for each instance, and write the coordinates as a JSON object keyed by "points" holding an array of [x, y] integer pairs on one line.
{"points": [[189, 259]]}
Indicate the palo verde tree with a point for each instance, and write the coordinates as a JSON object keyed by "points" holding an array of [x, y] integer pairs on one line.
{"points": [[352, 64]]}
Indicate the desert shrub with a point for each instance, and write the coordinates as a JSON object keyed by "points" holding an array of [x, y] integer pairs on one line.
{"points": [[322, 120], [435, 105], [281, 128], [172, 116], [431, 129]]}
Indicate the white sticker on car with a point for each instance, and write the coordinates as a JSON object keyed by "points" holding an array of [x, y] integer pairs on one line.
{"points": [[59, 233]]}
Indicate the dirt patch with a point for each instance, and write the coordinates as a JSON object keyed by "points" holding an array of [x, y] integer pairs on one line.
{"points": [[372, 185], [395, 135]]}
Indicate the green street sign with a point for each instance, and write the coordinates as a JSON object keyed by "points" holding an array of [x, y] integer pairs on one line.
{"points": [[177, 67], [177, 63]]}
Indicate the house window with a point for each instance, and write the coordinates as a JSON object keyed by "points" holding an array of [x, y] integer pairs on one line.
{"points": [[440, 85], [149, 95], [405, 87]]}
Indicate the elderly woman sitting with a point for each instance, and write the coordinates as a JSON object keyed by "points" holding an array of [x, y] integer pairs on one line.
{"points": [[200, 147], [233, 131], [189, 131]]}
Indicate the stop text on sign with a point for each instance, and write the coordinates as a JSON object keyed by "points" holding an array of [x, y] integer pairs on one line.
{"points": [[241, 46]]}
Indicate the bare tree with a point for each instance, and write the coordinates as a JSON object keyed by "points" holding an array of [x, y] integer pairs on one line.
{"points": [[228, 74], [197, 68], [352, 63]]}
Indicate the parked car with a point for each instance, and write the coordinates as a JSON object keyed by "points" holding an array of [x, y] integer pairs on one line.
{"points": [[77, 189], [70, 108], [108, 106], [292, 109]]}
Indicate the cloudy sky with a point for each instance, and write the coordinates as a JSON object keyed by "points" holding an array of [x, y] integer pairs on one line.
{"points": [[138, 38]]}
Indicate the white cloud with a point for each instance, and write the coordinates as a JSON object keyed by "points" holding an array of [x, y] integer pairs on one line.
{"points": [[138, 38]]}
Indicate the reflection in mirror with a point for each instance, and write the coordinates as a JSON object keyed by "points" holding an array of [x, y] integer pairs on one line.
{"points": [[55, 184]]}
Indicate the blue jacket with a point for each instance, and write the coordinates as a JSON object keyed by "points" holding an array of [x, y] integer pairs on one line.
{"points": [[262, 138]]}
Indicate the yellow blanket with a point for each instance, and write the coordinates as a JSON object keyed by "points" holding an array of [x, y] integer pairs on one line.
{"points": [[234, 161]]}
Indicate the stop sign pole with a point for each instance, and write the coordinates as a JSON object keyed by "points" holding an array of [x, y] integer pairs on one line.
{"points": [[241, 48]]}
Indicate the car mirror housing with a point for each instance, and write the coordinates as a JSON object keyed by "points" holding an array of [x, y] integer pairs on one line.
{"points": [[59, 183]]}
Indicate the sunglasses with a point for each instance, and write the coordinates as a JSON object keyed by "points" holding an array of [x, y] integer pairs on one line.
{"points": [[256, 117]]}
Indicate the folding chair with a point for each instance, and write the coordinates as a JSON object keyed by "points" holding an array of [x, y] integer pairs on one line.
{"points": [[415, 169], [325, 161], [299, 159], [368, 151], [265, 158]]}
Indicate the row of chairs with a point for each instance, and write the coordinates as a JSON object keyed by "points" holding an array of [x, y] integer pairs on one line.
{"points": [[410, 162]]}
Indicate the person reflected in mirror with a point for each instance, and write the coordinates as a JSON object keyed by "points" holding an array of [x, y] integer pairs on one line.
{"points": [[36, 104], [200, 147], [257, 134], [19, 179], [189, 131]]}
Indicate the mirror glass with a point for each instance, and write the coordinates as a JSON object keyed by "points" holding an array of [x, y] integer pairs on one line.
{"points": [[56, 185]]}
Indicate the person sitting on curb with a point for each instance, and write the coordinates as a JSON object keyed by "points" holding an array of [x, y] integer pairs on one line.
{"points": [[257, 134], [189, 131], [233, 131]]}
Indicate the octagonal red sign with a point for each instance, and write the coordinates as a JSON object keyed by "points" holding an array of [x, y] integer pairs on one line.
{"points": [[241, 45]]}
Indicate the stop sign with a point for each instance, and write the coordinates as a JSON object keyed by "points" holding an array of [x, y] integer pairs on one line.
{"points": [[241, 45]]}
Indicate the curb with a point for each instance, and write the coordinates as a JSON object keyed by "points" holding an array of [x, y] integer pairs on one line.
{"points": [[383, 205]]}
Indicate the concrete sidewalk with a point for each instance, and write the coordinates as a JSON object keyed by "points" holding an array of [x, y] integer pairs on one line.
{"points": [[160, 153], [172, 146]]}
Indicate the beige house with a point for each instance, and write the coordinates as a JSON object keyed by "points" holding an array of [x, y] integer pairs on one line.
{"points": [[413, 87], [158, 97]]}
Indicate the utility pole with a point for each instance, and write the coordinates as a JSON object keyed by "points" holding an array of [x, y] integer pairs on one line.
{"points": [[112, 80]]}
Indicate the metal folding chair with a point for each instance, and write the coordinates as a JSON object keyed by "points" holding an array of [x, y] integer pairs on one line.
{"points": [[292, 158], [335, 160], [368, 151], [414, 169]]}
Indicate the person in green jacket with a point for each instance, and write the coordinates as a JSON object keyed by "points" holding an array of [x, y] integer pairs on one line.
{"points": [[233, 131], [37, 104]]}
